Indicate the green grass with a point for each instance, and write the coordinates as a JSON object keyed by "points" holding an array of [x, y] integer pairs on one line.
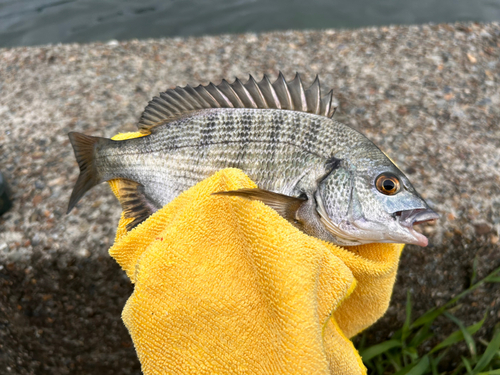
{"points": [[404, 353]]}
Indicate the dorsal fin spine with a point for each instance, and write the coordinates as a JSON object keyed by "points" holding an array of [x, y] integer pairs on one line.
{"points": [[187, 98], [326, 104], [227, 90], [297, 94], [183, 93], [313, 96], [169, 102], [243, 93], [152, 115], [256, 93], [159, 109], [270, 95], [160, 101], [180, 100], [283, 93], [203, 92], [196, 96], [219, 96], [331, 112], [174, 102]]}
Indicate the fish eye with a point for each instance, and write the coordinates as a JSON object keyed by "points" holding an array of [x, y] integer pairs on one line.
{"points": [[387, 184]]}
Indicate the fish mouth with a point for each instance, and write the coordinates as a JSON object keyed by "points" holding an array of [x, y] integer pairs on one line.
{"points": [[409, 218]]}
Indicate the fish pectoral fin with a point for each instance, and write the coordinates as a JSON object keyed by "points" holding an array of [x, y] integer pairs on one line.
{"points": [[284, 205], [135, 203]]}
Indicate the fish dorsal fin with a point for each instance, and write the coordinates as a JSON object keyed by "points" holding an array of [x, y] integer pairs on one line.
{"points": [[175, 103]]}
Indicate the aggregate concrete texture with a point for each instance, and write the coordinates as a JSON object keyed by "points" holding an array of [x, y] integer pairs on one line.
{"points": [[427, 95]]}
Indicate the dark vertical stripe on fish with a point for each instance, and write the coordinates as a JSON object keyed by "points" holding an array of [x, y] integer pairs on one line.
{"points": [[275, 134], [244, 135], [208, 130], [312, 134]]}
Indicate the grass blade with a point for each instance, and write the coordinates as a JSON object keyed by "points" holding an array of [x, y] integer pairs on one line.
{"points": [[467, 365], [407, 323], [410, 352], [422, 335], [489, 353], [380, 366], [458, 336], [378, 349], [421, 367], [434, 364], [432, 314], [417, 368], [406, 369], [395, 360], [428, 317], [471, 344], [399, 355]]}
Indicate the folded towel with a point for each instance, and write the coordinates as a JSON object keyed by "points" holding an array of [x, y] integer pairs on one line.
{"points": [[224, 285]]}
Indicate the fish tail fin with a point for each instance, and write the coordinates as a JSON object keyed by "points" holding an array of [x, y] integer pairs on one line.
{"points": [[84, 148]]}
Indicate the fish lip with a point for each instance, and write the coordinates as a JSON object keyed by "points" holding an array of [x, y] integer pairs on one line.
{"points": [[408, 218]]}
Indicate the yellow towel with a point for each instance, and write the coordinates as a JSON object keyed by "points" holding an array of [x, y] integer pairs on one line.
{"points": [[224, 285]]}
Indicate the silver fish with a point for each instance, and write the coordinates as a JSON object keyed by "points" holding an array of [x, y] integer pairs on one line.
{"points": [[325, 178]]}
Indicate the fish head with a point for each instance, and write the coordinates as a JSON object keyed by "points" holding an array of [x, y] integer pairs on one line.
{"points": [[368, 199]]}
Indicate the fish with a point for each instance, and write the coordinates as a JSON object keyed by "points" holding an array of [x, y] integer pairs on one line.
{"points": [[324, 177]]}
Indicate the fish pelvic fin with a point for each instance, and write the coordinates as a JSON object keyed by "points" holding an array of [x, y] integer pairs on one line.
{"points": [[135, 203], [84, 149], [284, 205]]}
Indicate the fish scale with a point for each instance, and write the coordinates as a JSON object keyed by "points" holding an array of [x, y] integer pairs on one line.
{"points": [[325, 178]]}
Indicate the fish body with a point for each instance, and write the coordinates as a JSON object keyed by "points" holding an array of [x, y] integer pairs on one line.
{"points": [[319, 174], [276, 148]]}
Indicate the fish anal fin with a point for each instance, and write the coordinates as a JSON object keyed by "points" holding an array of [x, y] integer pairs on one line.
{"points": [[134, 202], [284, 205]]}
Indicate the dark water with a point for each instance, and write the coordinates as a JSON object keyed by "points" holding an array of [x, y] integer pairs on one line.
{"points": [[30, 22]]}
